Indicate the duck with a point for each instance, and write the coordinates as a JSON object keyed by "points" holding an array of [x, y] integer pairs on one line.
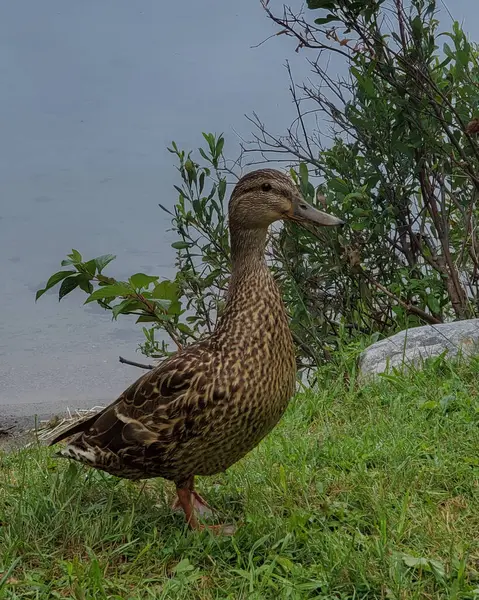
{"points": [[204, 408]]}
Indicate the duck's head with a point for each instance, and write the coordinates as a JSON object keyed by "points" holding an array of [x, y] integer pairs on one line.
{"points": [[264, 196]]}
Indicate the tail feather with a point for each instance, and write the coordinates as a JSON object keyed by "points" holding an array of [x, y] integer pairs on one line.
{"points": [[79, 427], [85, 455]]}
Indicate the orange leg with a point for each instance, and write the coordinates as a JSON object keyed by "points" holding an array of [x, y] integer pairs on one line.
{"points": [[200, 506], [185, 501], [191, 502]]}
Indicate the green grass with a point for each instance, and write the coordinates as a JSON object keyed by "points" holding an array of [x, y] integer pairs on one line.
{"points": [[359, 493]]}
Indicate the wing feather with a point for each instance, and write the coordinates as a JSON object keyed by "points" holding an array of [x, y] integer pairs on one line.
{"points": [[156, 408]]}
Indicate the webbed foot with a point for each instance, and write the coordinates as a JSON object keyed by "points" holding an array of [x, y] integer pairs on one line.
{"points": [[192, 505]]}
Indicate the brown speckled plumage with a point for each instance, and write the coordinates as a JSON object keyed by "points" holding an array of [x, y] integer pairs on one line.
{"points": [[202, 410]]}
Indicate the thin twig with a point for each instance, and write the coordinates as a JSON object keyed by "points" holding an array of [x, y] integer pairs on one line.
{"points": [[406, 305], [135, 364]]}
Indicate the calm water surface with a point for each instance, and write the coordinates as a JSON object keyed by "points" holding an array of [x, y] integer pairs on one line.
{"points": [[92, 94]]}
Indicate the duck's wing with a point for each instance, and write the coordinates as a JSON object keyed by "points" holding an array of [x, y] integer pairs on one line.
{"points": [[164, 403]]}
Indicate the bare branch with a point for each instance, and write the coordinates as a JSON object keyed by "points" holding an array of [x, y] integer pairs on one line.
{"points": [[135, 364]]}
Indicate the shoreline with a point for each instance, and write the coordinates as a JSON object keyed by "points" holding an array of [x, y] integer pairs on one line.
{"points": [[15, 432]]}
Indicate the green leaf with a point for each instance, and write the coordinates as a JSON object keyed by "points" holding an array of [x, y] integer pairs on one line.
{"points": [[204, 155], [167, 290], [433, 303], [221, 189], [354, 196], [184, 329], [103, 260], [72, 259], [364, 82], [110, 291], [326, 4], [429, 405], [202, 181], [326, 19], [147, 319], [430, 9], [446, 401], [304, 175], [88, 267], [180, 191], [85, 284], [463, 57], [417, 27], [124, 307], [425, 564], [180, 245], [183, 566], [75, 256], [368, 86], [448, 51], [102, 280], [338, 185], [403, 148], [359, 212], [68, 285], [140, 280], [358, 226], [211, 277], [165, 209], [174, 308], [210, 138], [190, 170], [413, 561], [162, 304], [219, 146], [54, 279]]}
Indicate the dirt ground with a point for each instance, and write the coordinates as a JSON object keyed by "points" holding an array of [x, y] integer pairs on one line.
{"points": [[16, 432], [14, 439]]}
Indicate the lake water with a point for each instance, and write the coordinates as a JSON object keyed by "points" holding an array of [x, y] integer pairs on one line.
{"points": [[92, 94]]}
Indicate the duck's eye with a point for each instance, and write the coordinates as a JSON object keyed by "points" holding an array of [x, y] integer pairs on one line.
{"points": [[266, 187]]}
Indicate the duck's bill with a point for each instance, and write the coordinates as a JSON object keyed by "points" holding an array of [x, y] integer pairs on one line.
{"points": [[305, 213]]}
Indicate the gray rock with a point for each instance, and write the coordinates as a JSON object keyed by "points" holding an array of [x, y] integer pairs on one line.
{"points": [[413, 346]]}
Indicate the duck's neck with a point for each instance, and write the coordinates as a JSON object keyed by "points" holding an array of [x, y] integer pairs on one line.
{"points": [[253, 296], [252, 333], [247, 252]]}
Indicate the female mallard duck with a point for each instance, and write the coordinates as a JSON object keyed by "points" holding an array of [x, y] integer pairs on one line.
{"points": [[203, 409]]}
